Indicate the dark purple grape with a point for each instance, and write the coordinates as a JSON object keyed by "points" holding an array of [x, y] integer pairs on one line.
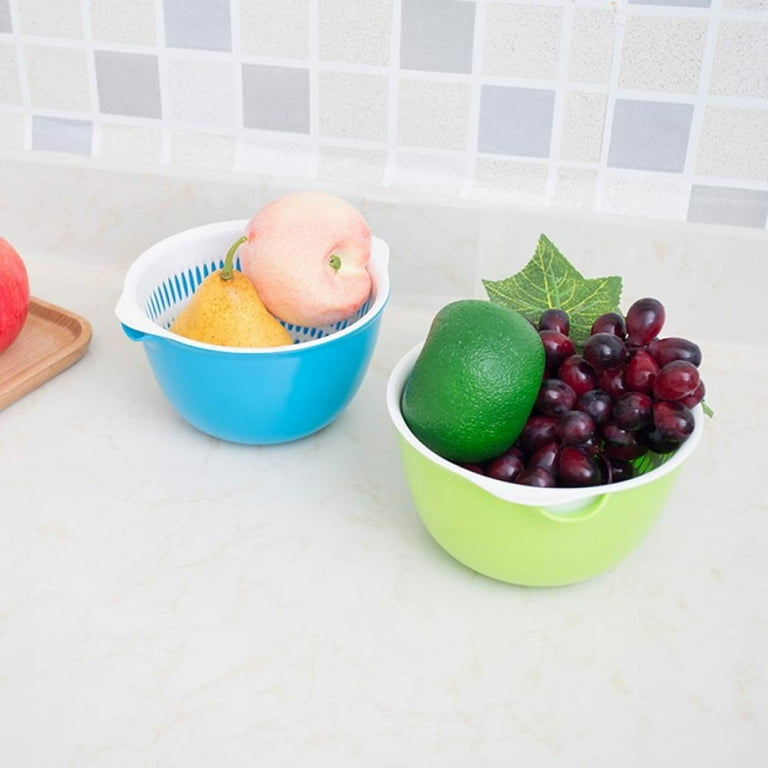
{"points": [[645, 318], [557, 347], [576, 468], [592, 445], [555, 397], [612, 382], [506, 466], [574, 427], [676, 380], [695, 397], [605, 351], [620, 469], [641, 371], [673, 421], [578, 374], [621, 443], [674, 348], [546, 457], [537, 477], [633, 411], [609, 322], [555, 320], [473, 467], [538, 430], [597, 403], [659, 444]]}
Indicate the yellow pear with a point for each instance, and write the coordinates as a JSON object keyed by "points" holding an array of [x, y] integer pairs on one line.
{"points": [[227, 310]]}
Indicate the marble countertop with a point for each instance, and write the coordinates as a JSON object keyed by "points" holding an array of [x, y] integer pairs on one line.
{"points": [[167, 599]]}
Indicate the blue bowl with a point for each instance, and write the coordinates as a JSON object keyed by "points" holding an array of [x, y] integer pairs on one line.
{"points": [[255, 396]]}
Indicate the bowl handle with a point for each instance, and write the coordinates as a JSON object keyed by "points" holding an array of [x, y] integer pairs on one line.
{"points": [[575, 512]]}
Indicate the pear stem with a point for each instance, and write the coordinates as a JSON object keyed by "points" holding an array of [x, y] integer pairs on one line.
{"points": [[226, 270]]}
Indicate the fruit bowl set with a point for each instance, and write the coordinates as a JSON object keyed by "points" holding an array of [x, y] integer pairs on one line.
{"points": [[525, 535], [247, 395], [512, 532]]}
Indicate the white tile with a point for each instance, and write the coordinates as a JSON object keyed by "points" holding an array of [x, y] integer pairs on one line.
{"points": [[117, 21], [281, 156], [635, 195], [51, 18], [662, 53], [10, 84], [733, 143], [426, 173], [201, 91], [352, 166], [509, 180], [433, 114], [592, 41], [11, 132], [575, 189], [58, 78], [138, 145], [740, 67], [355, 32], [583, 123], [353, 105], [192, 150], [522, 40], [273, 29], [746, 5]]}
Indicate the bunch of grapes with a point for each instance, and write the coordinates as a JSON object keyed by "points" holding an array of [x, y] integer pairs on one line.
{"points": [[604, 405]]}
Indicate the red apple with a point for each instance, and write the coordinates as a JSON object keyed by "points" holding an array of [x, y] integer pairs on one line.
{"points": [[307, 253], [14, 294]]}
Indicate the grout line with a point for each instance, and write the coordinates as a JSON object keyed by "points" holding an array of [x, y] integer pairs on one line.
{"points": [[314, 88], [467, 184], [393, 95], [701, 100], [161, 51], [610, 103], [561, 97], [90, 63], [21, 63]]}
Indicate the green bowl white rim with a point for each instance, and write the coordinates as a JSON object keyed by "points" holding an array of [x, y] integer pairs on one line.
{"points": [[560, 499]]}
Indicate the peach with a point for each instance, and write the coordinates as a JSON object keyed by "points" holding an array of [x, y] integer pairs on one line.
{"points": [[307, 253]]}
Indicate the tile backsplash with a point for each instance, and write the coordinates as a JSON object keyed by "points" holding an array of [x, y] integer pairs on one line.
{"points": [[654, 108]]}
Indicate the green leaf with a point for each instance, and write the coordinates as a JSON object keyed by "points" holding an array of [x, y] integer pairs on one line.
{"points": [[550, 281]]}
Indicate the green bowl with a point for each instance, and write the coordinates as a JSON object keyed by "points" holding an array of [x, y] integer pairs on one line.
{"points": [[524, 535]]}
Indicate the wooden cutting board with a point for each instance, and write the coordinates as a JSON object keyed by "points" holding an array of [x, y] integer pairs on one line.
{"points": [[51, 340]]}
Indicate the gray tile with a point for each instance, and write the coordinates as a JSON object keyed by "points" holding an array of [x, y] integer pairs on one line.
{"points": [[128, 84], [437, 35], [678, 3], [58, 134], [276, 98], [515, 121], [204, 24], [5, 17], [728, 205], [650, 135]]}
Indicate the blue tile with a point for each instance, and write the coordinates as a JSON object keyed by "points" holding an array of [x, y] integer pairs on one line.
{"points": [[58, 134], [437, 35], [650, 135], [677, 3], [515, 121], [128, 83], [5, 17], [728, 205], [276, 98], [202, 24]]}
